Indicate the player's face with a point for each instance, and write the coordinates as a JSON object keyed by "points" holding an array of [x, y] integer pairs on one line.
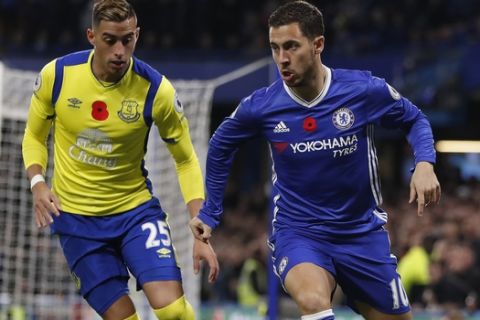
{"points": [[296, 56], [114, 44]]}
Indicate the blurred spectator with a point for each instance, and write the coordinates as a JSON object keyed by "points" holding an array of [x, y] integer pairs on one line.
{"points": [[414, 267], [460, 281], [252, 286]]}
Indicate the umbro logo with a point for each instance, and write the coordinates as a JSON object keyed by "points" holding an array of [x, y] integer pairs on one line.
{"points": [[281, 127], [74, 103]]}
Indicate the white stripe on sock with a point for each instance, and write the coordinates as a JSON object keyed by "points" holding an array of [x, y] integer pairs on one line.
{"points": [[319, 315]]}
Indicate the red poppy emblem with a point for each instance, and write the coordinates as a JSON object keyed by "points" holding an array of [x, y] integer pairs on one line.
{"points": [[99, 110], [309, 124]]}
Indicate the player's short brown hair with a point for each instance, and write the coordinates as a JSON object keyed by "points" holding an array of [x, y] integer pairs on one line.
{"points": [[112, 10], [308, 17]]}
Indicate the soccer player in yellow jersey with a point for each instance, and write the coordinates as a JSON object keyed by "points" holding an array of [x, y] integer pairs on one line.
{"points": [[101, 104]]}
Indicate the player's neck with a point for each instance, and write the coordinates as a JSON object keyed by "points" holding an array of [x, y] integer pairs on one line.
{"points": [[103, 76], [314, 84]]}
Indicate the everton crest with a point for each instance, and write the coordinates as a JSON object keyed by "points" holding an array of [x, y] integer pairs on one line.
{"points": [[129, 111]]}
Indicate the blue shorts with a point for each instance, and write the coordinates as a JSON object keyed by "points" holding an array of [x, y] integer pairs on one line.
{"points": [[100, 249], [362, 265]]}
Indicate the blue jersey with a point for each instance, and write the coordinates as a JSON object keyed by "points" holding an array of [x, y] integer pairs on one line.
{"points": [[325, 167]]}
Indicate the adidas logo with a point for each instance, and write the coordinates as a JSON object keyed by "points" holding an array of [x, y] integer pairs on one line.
{"points": [[281, 127]]}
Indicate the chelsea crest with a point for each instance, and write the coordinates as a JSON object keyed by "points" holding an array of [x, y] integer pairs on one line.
{"points": [[343, 118]]}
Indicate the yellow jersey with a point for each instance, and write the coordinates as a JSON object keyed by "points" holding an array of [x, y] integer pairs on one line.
{"points": [[100, 133]]}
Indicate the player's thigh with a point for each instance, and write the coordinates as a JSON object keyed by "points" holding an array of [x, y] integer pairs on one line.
{"points": [[305, 269], [367, 273], [311, 286]]}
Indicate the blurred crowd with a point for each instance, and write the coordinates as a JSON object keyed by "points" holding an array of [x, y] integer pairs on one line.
{"points": [[241, 236], [427, 49], [439, 253], [352, 27]]}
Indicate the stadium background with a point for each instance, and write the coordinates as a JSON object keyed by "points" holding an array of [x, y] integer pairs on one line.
{"points": [[427, 49]]}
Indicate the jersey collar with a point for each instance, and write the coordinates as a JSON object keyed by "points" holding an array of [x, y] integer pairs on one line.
{"points": [[321, 95], [99, 82]]}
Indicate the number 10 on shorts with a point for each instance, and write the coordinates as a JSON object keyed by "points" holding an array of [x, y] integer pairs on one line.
{"points": [[398, 293]]}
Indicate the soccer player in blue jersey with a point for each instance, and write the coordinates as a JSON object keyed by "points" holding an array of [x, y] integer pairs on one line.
{"points": [[102, 104], [328, 226]]}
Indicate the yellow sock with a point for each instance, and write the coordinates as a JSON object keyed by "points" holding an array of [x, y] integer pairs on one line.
{"points": [[180, 309], [133, 317], [189, 313]]}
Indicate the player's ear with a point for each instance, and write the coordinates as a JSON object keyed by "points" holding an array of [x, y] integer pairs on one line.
{"points": [[91, 36], [318, 44], [137, 33]]}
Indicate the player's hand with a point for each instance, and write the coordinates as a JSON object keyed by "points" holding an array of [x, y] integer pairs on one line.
{"points": [[45, 204], [424, 186], [200, 230], [204, 251]]}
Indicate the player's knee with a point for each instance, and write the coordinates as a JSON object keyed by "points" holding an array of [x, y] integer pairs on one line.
{"points": [[180, 309], [133, 317], [312, 302]]}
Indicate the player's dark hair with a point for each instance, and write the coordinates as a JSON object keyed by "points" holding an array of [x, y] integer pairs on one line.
{"points": [[309, 18], [112, 10]]}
